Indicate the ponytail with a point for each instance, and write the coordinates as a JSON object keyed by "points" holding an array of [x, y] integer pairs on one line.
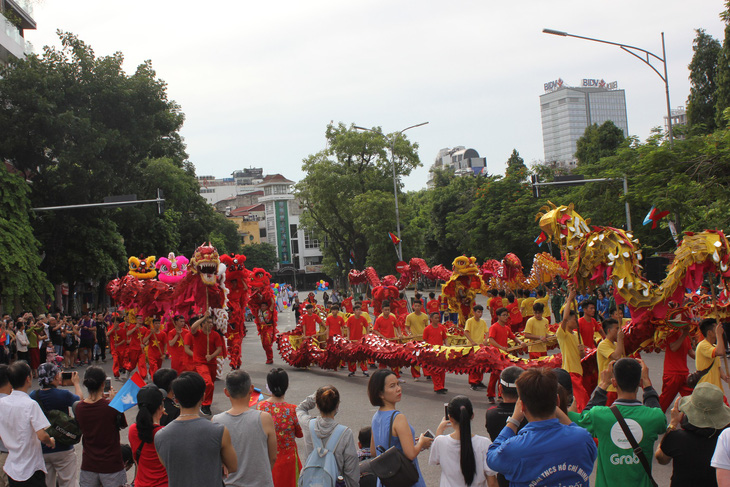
{"points": [[145, 425], [461, 409], [149, 400]]}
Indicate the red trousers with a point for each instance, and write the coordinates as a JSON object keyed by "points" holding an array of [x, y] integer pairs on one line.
{"points": [[266, 332], [207, 371], [351, 366], [119, 358], [579, 392], [475, 378], [396, 370], [536, 355], [155, 362], [179, 363], [416, 371], [137, 359], [673, 384], [438, 378], [492, 387]]}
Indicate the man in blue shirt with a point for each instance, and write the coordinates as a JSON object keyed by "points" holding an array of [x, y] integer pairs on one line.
{"points": [[550, 450]]}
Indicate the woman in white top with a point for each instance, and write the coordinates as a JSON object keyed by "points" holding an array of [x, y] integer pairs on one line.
{"points": [[462, 456]]}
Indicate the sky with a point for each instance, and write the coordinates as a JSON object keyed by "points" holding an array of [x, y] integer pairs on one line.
{"points": [[259, 81]]}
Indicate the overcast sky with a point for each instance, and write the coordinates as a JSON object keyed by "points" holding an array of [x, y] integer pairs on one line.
{"points": [[259, 81]]}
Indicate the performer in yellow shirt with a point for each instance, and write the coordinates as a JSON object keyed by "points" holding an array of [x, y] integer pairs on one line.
{"points": [[475, 332], [536, 329], [610, 349], [416, 322], [709, 351], [572, 351]]}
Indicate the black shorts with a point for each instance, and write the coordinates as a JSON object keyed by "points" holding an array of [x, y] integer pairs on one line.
{"points": [[70, 348], [87, 343]]}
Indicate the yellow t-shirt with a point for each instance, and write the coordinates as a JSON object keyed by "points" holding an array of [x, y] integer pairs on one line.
{"points": [[603, 356], [477, 329], [704, 356], [543, 300], [505, 302], [568, 343], [539, 328], [417, 323], [526, 307]]}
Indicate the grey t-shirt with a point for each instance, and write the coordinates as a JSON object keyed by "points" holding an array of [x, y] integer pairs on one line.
{"points": [[250, 443], [191, 452]]}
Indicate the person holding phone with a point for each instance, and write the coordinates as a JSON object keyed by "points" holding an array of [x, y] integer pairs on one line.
{"points": [[384, 391], [461, 454], [61, 462]]}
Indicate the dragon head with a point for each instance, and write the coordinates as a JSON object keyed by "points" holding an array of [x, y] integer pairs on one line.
{"points": [[562, 224], [142, 267], [259, 279], [172, 269], [234, 266], [465, 266], [205, 263]]}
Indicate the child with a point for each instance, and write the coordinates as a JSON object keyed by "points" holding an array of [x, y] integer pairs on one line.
{"points": [[363, 443]]}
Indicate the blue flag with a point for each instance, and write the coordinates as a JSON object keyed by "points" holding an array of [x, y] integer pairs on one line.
{"points": [[126, 398]]}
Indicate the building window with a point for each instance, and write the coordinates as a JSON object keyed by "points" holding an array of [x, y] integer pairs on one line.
{"points": [[310, 242], [262, 233], [293, 230]]}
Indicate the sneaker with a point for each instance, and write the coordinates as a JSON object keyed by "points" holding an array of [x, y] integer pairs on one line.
{"points": [[118, 379], [441, 391], [480, 385], [269, 362], [428, 378], [416, 379], [401, 381], [206, 410], [490, 400], [474, 387], [365, 373], [351, 374]]}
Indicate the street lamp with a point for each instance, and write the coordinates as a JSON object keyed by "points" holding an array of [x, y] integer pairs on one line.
{"points": [[395, 177], [645, 58]]}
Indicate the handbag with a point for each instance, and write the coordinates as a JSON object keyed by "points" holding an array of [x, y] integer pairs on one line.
{"points": [[694, 378], [634, 445], [392, 467]]}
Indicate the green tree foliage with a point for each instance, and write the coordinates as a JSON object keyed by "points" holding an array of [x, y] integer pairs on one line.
{"points": [[722, 78], [702, 71], [81, 129], [515, 165], [261, 255], [345, 196], [22, 284], [598, 142]]}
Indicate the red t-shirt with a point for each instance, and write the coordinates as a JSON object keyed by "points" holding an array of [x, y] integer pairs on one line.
{"points": [[135, 339], [676, 362], [432, 306], [310, 323], [201, 348], [357, 326], [435, 335], [100, 436], [119, 337], [365, 306], [494, 304], [587, 329], [177, 349], [335, 324], [386, 326], [501, 334], [156, 344], [150, 471], [515, 314]]}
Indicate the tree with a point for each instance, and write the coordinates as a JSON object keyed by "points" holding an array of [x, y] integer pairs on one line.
{"points": [[598, 142], [722, 75], [262, 255], [702, 71], [22, 284], [333, 195], [515, 163]]}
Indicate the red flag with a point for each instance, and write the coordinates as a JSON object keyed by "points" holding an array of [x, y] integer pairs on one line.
{"points": [[394, 238], [540, 239]]}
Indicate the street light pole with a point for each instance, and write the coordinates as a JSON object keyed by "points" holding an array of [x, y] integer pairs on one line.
{"points": [[646, 58], [395, 178]]}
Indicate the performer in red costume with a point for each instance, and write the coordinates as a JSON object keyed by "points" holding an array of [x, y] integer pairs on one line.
{"points": [[136, 335], [118, 345], [179, 360], [207, 345], [435, 334], [356, 328], [156, 341]]}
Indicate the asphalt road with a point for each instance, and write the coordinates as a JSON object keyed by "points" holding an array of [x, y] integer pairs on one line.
{"points": [[420, 404]]}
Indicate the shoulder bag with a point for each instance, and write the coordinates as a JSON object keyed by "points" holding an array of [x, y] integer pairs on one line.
{"points": [[392, 466], [634, 445]]}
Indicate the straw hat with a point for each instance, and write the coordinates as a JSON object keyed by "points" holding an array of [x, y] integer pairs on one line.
{"points": [[705, 407]]}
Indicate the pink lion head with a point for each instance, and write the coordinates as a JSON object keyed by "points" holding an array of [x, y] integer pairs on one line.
{"points": [[172, 269]]}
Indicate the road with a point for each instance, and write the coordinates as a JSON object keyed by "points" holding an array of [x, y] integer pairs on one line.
{"points": [[420, 404]]}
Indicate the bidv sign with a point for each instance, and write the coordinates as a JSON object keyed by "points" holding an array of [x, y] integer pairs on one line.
{"points": [[553, 85], [599, 83]]}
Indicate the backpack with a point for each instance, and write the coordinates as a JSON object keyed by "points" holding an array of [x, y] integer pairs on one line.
{"points": [[321, 467], [64, 428]]}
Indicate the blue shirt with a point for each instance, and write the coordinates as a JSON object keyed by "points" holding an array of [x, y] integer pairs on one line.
{"points": [[544, 453], [382, 437], [59, 399]]}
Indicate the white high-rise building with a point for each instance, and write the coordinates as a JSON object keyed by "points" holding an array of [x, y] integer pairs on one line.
{"points": [[16, 16], [567, 111]]}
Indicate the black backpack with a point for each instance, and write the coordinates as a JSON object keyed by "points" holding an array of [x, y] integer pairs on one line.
{"points": [[64, 428]]}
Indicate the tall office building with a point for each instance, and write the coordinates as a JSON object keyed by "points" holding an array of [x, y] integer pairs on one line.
{"points": [[567, 111], [16, 16]]}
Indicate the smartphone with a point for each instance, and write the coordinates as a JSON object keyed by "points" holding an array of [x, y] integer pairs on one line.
{"points": [[108, 385], [446, 410], [428, 434], [66, 375]]}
